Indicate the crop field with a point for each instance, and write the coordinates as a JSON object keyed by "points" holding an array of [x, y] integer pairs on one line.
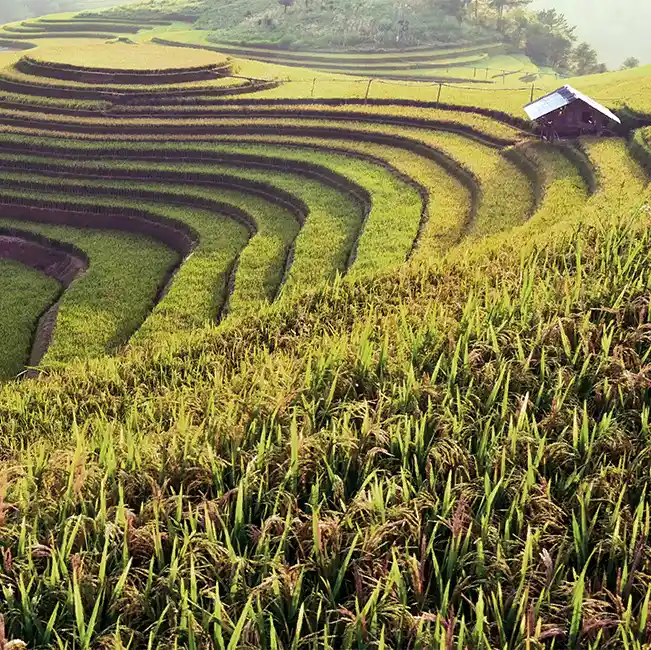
{"points": [[486, 64], [26, 294], [296, 355]]}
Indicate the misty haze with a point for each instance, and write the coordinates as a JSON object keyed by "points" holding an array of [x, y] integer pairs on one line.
{"points": [[616, 29]]}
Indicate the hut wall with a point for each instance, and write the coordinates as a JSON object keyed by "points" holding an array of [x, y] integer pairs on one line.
{"points": [[575, 119]]}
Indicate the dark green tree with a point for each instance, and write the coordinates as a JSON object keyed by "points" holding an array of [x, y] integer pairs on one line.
{"points": [[502, 6], [631, 62], [548, 39], [585, 60], [456, 8]]}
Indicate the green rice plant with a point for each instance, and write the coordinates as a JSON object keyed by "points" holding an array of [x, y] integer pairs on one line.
{"points": [[316, 257], [504, 204], [464, 495], [449, 455], [204, 276], [390, 227], [24, 297], [448, 201], [100, 311], [473, 123]]}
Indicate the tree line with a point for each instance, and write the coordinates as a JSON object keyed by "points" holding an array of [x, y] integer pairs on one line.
{"points": [[546, 36]]}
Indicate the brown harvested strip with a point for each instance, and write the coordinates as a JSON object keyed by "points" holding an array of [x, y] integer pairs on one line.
{"points": [[174, 234], [47, 109], [15, 45]]}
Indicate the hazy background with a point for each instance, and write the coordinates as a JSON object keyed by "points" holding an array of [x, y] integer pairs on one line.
{"points": [[617, 29]]}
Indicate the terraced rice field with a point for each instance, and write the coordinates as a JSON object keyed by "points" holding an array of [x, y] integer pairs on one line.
{"points": [[486, 64], [312, 372]]}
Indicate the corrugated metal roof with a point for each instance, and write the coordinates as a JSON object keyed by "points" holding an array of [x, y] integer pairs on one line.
{"points": [[564, 97]]}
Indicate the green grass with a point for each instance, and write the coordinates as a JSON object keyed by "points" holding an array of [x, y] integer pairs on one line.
{"points": [[24, 295]]}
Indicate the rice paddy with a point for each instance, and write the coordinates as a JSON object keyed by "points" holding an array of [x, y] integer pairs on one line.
{"points": [[321, 363]]}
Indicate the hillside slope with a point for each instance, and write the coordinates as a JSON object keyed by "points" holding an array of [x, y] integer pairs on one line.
{"points": [[313, 24]]}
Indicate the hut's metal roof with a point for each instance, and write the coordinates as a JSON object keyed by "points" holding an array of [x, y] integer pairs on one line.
{"points": [[564, 97]]}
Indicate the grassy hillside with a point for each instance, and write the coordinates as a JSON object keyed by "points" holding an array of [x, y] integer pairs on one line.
{"points": [[314, 24], [317, 358]]}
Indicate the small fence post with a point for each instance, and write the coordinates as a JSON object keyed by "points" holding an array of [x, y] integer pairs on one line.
{"points": [[313, 84], [503, 76], [438, 97], [486, 73], [368, 88], [474, 75], [533, 87]]}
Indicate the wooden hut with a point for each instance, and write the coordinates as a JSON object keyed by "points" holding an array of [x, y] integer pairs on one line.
{"points": [[569, 113]]}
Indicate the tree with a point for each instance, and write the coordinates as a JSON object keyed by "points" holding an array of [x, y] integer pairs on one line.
{"points": [[631, 62], [547, 48], [286, 3], [549, 38], [456, 8], [502, 6], [585, 61]]}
